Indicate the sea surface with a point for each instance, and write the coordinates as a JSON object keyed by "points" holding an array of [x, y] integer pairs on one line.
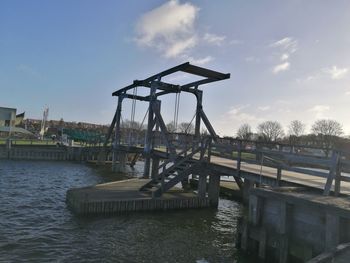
{"points": [[36, 226]]}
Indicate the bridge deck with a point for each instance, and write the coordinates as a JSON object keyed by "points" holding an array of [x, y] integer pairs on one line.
{"points": [[293, 177]]}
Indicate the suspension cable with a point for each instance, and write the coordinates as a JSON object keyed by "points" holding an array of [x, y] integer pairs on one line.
{"points": [[195, 113], [144, 118]]}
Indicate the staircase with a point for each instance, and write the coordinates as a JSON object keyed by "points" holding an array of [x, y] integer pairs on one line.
{"points": [[180, 169]]}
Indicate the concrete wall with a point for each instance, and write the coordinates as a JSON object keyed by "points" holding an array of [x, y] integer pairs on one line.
{"points": [[35, 152]]}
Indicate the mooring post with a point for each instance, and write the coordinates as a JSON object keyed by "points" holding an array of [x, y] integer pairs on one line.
{"points": [[8, 147], [214, 190]]}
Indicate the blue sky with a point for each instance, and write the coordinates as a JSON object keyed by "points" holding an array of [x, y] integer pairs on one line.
{"points": [[288, 59]]}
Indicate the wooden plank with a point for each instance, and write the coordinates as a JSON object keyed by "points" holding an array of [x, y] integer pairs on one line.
{"points": [[255, 209], [262, 243], [332, 231]]}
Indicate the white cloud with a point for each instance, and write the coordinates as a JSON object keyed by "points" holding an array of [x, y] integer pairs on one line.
{"points": [[179, 47], [335, 72], [237, 114], [264, 108], [288, 44], [230, 121], [200, 61], [281, 67], [347, 93], [169, 28], [214, 39], [284, 56], [319, 111]]}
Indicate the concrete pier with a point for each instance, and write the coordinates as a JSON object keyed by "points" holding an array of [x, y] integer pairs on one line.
{"points": [[125, 196]]}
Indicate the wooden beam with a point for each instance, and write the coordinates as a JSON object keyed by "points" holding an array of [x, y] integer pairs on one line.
{"points": [[332, 172]]}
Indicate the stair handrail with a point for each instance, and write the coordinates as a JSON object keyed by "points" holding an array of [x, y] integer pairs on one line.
{"points": [[203, 142]]}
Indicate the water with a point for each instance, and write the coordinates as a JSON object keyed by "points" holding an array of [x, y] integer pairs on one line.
{"points": [[36, 226]]}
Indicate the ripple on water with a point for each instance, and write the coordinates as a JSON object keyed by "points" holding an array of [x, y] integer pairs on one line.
{"points": [[36, 226]]}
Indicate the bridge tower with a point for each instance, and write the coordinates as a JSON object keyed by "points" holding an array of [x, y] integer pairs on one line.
{"points": [[178, 163]]}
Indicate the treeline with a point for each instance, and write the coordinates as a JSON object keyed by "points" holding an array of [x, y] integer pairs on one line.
{"points": [[324, 133]]}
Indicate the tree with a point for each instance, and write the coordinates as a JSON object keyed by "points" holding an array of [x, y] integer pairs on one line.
{"points": [[296, 129], [244, 132], [328, 130], [327, 127], [270, 131], [171, 127], [185, 127]]}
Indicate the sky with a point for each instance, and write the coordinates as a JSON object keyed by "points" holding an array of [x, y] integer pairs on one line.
{"points": [[288, 59]]}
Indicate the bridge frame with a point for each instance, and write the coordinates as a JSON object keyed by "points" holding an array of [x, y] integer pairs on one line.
{"points": [[157, 89]]}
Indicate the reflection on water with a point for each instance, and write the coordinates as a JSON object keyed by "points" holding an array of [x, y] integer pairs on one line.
{"points": [[35, 224]]}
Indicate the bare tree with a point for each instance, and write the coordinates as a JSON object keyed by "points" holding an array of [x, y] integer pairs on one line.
{"points": [[296, 129], [186, 127], [244, 132], [171, 127], [270, 131], [328, 130], [204, 132]]}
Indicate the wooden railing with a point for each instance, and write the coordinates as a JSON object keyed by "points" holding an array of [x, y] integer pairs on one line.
{"points": [[302, 159]]}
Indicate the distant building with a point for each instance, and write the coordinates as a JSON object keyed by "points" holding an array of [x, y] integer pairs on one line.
{"points": [[9, 120], [7, 117]]}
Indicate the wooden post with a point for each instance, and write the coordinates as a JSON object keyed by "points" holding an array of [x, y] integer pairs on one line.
{"points": [[244, 236], [332, 231], [117, 132], [150, 124], [239, 157], [214, 190], [262, 243], [197, 127], [279, 168], [284, 223], [332, 172], [255, 209], [209, 150], [337, 181], [247, 185], [155, 167], [202, 185]]}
